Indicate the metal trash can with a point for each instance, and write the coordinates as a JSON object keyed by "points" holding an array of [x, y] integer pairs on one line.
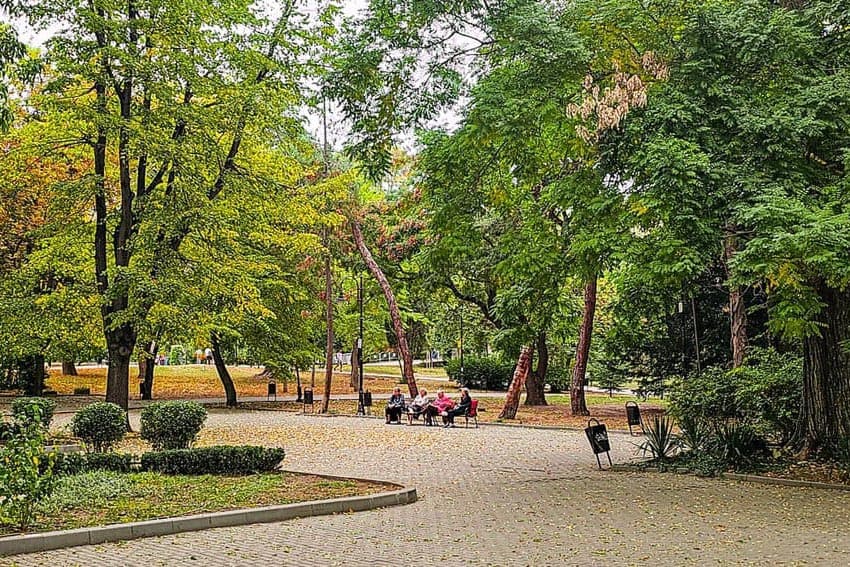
{"points": [[597, 435], [308, 397], [633, 417], [367, 399], [272, 390]]}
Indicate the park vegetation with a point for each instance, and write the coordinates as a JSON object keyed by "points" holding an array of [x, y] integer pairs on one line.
{"points": [[629, 192]]}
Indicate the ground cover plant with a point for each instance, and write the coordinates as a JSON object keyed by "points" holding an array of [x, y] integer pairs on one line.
{"points": [[104, 497]]}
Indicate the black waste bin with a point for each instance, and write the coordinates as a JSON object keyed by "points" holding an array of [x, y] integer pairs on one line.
{"points": [[272, 390], [367, 399], [308, 396]]}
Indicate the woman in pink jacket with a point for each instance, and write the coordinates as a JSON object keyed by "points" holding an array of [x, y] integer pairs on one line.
{"points": [[442, 404]]}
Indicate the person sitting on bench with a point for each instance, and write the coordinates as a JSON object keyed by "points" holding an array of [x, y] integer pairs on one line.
{"points": [[441, 405], [419, 405], [460, 409], [395, 406]]}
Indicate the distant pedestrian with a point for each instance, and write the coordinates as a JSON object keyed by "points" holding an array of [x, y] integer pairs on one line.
{"points": [[199, 356], [208, 355]]}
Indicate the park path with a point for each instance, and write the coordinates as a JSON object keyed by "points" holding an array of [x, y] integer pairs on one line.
{"points": [[496, 496]]}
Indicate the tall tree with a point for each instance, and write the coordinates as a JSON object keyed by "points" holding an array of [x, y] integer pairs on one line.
{"points": [[173, 90]]}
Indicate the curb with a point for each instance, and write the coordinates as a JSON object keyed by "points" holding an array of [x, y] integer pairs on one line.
{"points": [[746, 478], [33, 543], [783, 481]]}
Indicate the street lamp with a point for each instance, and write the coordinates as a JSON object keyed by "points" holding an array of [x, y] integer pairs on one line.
{"points": [[361, 410]]}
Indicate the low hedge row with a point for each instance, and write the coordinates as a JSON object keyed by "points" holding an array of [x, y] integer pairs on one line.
{"points": [[221, 459], [225, 459]]}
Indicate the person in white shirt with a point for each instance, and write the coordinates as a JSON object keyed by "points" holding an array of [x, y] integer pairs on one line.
{"points": [[420, 405]]}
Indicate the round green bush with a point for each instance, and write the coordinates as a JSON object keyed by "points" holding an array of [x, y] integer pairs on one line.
{"points": [[100, 425], [25, 409], [172, 425]]}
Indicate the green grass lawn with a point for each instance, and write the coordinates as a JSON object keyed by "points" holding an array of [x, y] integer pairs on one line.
{"points": [[101, 497]]}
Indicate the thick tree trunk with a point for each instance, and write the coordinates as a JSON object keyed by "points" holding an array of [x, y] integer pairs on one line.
{"points": [[395, 315], [31, 374], [534, 387], [737, 308], [120, 343], [329, 343], [517, 382], [578, 406], [825, 416], [223, 374], [69, 368]]}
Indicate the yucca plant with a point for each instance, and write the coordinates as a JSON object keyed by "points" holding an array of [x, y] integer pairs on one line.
{"points": [[695, 433], [660, 440], [738, 444]]}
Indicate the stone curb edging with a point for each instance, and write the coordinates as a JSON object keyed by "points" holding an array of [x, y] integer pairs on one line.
{"points": [[783, 481], [752, 478], [32, 543]]}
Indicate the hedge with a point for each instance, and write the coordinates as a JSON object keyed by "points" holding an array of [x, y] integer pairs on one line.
{"points": [[221, 459]]}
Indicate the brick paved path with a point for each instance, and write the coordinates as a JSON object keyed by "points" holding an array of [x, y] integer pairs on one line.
{"points": [[498, 496]]}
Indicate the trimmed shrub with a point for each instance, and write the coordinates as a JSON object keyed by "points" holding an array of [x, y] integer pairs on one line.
{"points": [[172, 425], [222, 459], [490, 373], [100, 425], [76, 463], [24, 409]]}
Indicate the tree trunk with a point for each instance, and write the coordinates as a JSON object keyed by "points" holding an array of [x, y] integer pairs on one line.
{"points": [[355, 367], [578, 406], [535, 394], [69, 368], [120, 344], [395, 315], [147, 363], [825, 416], [223, 374], [31, 374], [329, 344], [737, 308], [517, 382], [298, 387]]}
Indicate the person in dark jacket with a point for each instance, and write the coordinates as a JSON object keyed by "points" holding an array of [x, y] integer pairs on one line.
{"points": [[460, 409], [395, 406]]}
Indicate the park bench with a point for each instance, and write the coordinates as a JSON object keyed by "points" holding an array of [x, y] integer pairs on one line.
{"points": [[471, 414]]}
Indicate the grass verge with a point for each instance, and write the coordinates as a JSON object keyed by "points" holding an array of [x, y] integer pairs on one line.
{"points": [[101, 497]]}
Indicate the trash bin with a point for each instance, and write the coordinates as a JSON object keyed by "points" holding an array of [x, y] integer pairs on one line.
{"points": [[272, 390], [367, 399], [308, 396], [633, 417], [597, 435]]}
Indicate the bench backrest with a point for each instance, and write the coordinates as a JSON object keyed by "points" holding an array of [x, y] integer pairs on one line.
{"points": [[473, 408]]}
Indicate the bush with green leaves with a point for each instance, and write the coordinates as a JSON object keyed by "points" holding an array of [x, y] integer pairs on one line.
{"points": [[100, 425], [26, 471], [737, 444], [487, 373], [765, 393], [172, 425], [222, 459], [26, 408], [76, 463]]}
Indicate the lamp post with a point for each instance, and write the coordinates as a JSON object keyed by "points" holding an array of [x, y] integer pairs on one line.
{"points": [[361, 410], [461, 344]]}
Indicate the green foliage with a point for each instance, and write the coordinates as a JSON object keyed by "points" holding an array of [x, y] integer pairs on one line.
{"points": [[696, 432], [26, 472], [100, 425], [76, 463], [737, 444], [172, 425], [224, 459], [34, 410], [765, 392], [488, 373], [93, 488], [661, 443]]}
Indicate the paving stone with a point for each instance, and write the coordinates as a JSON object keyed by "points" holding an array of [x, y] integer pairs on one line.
{"points": [[498, 496]]}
